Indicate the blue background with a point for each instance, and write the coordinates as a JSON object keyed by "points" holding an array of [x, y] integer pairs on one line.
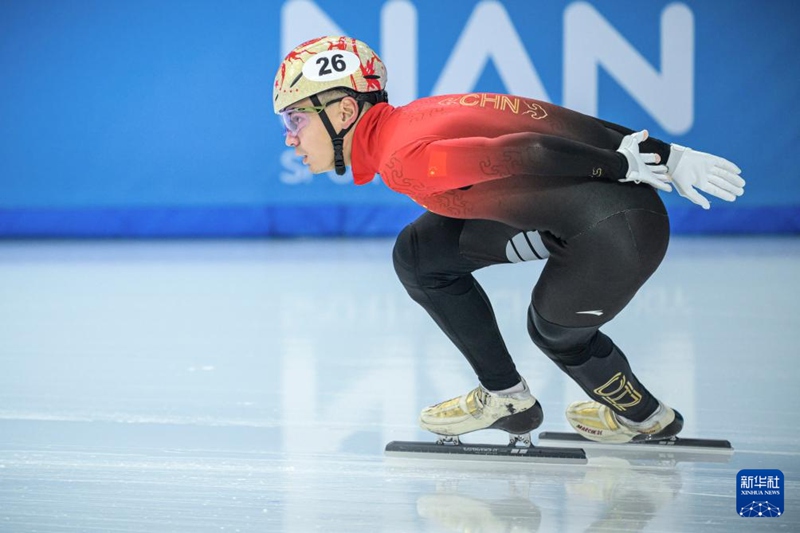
{"points": [[153, 118]]}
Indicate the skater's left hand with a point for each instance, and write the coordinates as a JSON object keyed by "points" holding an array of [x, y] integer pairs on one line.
{"points": [[690, 170], [643, 168]]}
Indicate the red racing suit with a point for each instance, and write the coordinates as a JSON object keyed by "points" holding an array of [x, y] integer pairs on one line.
{"points": [[440, 144]]}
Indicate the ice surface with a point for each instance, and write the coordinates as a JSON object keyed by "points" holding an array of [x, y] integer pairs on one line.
{"points": [[252, 385]]}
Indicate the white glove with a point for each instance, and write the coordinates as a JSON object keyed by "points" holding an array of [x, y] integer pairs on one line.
{"points": [[714, 175], [642, 167]]}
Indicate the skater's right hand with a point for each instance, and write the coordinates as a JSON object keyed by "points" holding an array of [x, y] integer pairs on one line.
{"points": [[643, 168], [714, 175]]}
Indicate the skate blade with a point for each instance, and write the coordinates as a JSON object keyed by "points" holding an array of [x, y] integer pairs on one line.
{"points": [[482, 452], [676, 449]]}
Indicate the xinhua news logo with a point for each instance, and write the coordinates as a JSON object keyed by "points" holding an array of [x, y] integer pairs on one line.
{"points": [[759, 493]]}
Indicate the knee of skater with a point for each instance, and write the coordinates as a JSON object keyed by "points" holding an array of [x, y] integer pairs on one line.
{"points": [[410, 263], [566, 345], [421, 264], [405, 255]]}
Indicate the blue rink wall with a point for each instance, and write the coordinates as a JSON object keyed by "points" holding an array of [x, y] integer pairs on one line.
{"points": [[152, 118]]}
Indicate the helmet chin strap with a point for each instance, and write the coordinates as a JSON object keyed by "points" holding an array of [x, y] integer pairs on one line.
{"points": [[336, 138]]}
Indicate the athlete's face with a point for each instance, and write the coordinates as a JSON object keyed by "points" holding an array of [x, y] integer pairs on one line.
{"points": [[306, 133]]}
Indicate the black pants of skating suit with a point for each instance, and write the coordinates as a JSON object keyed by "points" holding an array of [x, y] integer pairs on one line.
{"points": [[604, 240]]}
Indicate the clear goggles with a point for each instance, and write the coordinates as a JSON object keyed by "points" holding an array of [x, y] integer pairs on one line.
{"points": [[297, 118]]}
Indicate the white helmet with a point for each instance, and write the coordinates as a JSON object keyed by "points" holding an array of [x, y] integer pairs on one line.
{"points": [[327, 63]]}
